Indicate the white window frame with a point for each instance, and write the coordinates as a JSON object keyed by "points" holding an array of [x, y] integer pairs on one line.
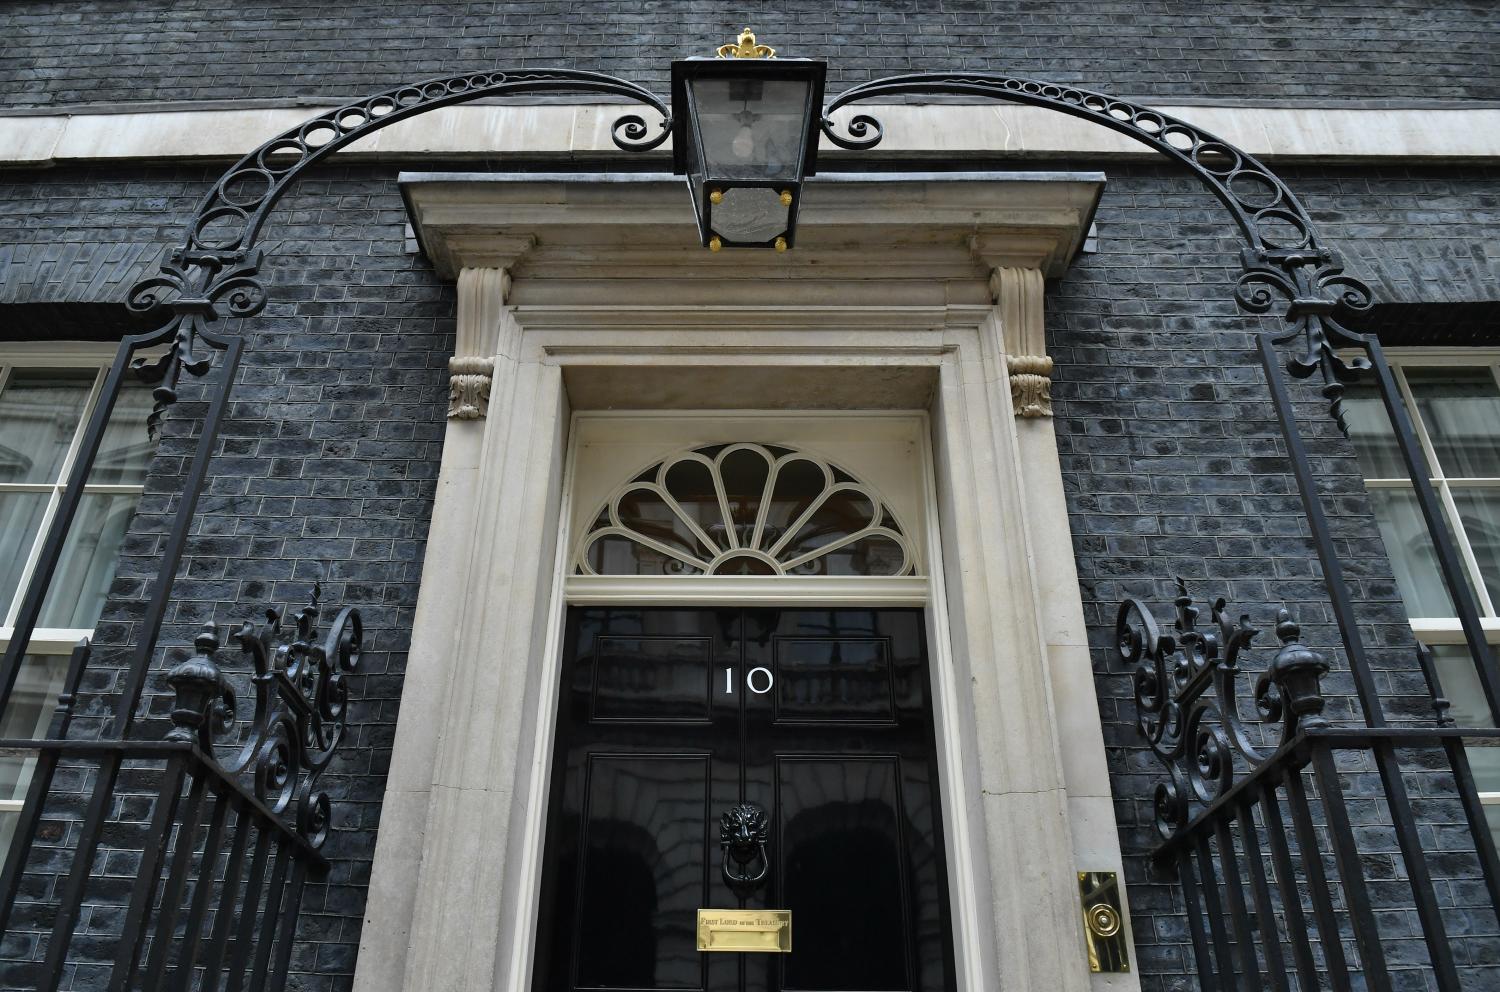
{"points": [[55, 355], [1447, 630], [56, 641]]}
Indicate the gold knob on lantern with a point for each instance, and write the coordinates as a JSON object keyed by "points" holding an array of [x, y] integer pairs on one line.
{"points": [[781, 244], [716, 197], [714, 244], [786, 198]]}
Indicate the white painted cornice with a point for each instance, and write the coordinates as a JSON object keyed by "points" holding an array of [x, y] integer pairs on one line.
{"points": [[551, 131], [628, 238]]}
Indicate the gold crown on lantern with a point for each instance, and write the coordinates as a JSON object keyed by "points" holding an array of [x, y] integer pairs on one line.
{"points": [[746, 48]]}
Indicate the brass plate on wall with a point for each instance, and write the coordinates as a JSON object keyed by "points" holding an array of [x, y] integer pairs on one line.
{"points": [[1103, 922], [767, 931]]}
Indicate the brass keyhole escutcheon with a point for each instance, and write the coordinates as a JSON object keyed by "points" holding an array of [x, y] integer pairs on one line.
{"points": [[1103, 921]]}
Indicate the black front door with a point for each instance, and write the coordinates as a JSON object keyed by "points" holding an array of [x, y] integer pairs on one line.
{"points": [[668, 719]]}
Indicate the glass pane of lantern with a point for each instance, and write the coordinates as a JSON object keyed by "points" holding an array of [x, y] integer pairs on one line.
{"points": [[751, 128], [749, 214]]}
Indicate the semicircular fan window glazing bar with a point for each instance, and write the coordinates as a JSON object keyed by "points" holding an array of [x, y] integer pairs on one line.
{"points": [[745, 509]]}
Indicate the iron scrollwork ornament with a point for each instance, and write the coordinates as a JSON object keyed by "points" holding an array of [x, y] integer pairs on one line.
{"points": [[744, 831], [301, 701], [193, 290], [1314, 289], [1187, 698]]}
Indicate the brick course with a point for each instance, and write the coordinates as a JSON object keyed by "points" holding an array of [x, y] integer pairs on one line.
{"points": [[123, 51]]}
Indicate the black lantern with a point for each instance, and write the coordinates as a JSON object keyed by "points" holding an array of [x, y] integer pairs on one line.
{"points": [[745, 133]]}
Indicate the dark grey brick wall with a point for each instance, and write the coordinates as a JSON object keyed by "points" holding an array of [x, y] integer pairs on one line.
{"points": [[1173, 466], [56, 54], [326, 470], [1169, 453]]}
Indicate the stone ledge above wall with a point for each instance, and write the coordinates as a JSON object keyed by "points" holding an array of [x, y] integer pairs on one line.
{"points": [[933, 131]]}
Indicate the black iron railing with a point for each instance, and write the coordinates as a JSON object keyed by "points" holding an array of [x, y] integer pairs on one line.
{"points": [[1281, 882], [214, 851]]}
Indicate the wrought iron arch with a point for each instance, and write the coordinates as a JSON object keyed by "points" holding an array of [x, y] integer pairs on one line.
{"points": [[216, 266], [215, 272]]}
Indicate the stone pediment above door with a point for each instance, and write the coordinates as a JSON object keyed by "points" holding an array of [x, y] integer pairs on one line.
{"points": [[868, 239]]}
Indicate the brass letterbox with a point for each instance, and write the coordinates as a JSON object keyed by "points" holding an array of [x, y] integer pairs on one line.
{"points": [[767, 931]]}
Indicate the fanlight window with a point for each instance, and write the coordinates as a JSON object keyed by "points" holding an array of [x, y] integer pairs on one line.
{"points": [[744, 509]]}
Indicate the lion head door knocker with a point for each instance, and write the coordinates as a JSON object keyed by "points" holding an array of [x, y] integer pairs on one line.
{"points": [[743, 831]]}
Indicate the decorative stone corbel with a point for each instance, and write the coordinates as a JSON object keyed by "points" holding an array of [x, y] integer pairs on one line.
{"points": [[1018, 296], [481, 309], [1030, 384], [469, 387]]}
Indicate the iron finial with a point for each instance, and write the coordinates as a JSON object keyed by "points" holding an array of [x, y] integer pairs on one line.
{"points": [[1296, 671]]}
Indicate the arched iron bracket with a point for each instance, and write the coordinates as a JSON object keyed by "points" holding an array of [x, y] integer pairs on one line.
{"points": [[216, 270], [1282, 256]]}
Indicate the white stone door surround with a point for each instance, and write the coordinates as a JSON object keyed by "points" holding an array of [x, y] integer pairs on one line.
{"points": [[917, 294]]}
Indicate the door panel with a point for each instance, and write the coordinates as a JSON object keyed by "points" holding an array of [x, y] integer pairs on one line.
{"points": [[668, 718], [836, 814], [644, 846], [833, 680], [650, 679]]}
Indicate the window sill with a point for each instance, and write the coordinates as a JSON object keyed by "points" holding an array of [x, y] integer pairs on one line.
{"points": [[1448, 630], [48, 640]]}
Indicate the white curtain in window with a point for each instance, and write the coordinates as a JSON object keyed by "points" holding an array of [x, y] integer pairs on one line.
{"points": [[40, 410], [87, 567], [1479, 509], [1409, 547], [1461, 410], [1370, 431], [126, 449], [41, 415], [20, 519]]}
